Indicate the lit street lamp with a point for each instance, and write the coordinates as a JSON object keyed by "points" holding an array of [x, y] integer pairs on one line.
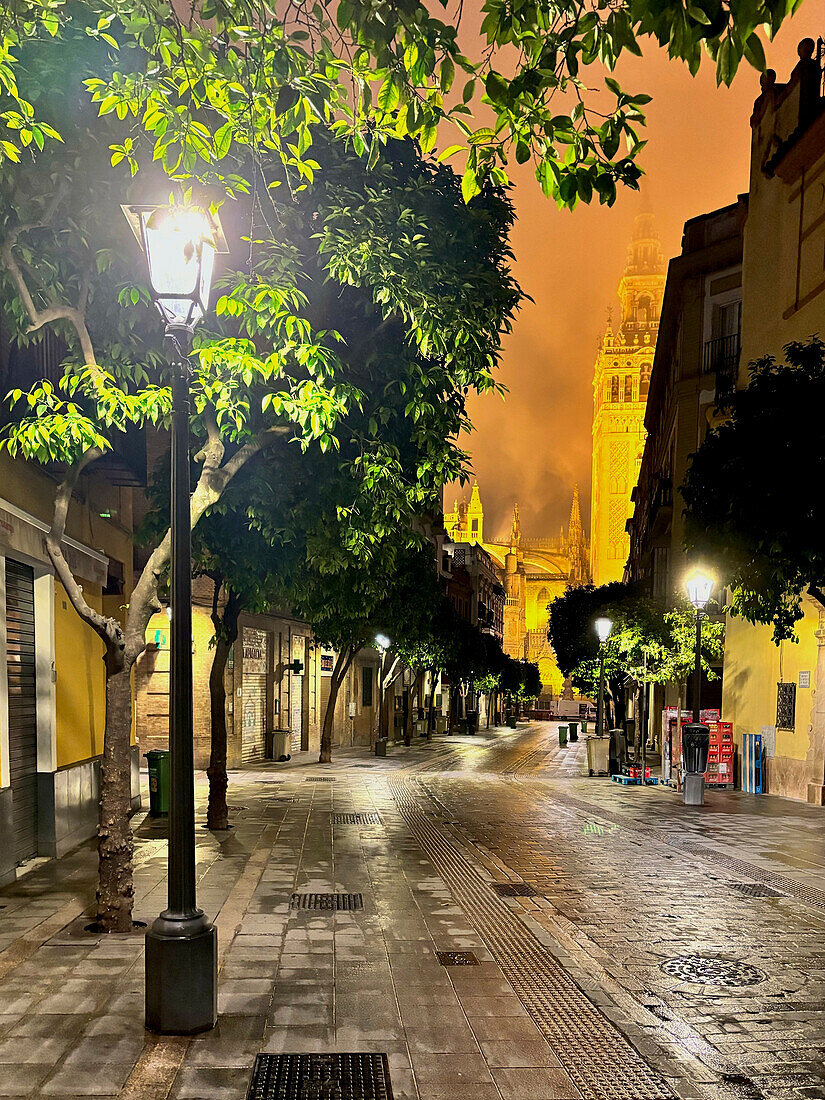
{"points": [[603, 628], [382, 644], [181, 946], [696, 736]]}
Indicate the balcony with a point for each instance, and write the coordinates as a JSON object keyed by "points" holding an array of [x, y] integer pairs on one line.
{"points": [[721, 358]]}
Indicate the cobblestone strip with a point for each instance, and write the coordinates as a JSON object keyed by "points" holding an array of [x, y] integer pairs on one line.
{"points": [[809, 895], [603, 1065]]}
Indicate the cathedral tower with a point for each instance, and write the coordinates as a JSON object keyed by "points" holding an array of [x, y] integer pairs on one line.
{"points": [[620, 384]]}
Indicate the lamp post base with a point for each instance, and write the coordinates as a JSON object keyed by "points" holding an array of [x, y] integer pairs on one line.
{"points": [[181, 978], [693, 786]]}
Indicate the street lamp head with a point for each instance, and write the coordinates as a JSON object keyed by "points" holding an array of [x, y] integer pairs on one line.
{"points": [[180, 243], [699, 587], [603, 628], [382, 641]]}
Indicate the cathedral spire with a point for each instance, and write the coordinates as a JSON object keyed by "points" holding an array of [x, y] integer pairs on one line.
{"points": [[515, 533], [574, 527]]}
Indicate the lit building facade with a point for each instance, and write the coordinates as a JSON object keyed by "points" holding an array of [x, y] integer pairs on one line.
{"points": [[620, 385], [533, 572]]}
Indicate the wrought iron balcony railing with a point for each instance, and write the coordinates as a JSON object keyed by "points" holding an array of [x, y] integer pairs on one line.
{"points": [[721, 358]]}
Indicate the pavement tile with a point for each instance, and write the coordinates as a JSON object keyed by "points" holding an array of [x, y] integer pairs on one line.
{"points": [[535, 1084], [518, 1053], [504, 1027], [206, 1083]]}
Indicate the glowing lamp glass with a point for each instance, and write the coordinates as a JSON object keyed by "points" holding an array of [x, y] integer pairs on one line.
{"points": [[603, 628], [699, 589], [382, 641]]}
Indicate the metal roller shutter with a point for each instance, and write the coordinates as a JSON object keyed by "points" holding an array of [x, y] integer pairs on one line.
{"points": [[22, 682]]}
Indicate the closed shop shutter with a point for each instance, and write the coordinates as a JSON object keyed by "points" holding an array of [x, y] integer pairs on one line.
{"points": [[255, 663], [296, 696], [326, 681], [22, 681]]}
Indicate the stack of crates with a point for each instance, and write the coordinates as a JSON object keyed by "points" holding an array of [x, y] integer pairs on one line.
{"points": [[720, 772]]}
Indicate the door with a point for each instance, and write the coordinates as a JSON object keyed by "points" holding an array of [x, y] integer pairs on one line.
{"points": [[255, 665], [22, 690]]}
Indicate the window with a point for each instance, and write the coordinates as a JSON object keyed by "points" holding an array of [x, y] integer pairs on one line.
{"points": [[475, 527], [366, 686], [614, 388], [644, 382], [785, 706], [628, 387]]}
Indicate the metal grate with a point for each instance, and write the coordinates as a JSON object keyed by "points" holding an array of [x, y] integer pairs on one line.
{"points": [[515, 890], [457, 958], [785, 706], [336, 1076], [710, 970], [756, 890], [319, 779], [356, 819], [326, 901]]}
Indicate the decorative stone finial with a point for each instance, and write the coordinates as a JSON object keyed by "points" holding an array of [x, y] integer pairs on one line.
{"points": [[767, 79], [806, 48]]}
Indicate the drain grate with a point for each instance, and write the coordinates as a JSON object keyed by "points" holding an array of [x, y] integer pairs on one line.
{"points": [[319, 779], [515, 890], [710, 970], [327, 902], [457, 958], [356, 819], [756, 890], [338, 1076]]}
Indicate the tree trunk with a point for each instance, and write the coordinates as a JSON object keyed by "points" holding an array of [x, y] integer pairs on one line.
{"points": [[115, 846], [342, 662], [226, 634]]}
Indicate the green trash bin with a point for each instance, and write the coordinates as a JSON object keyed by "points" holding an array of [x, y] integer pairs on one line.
{"points": [[562, 735], [158, 781], [574, 731]]}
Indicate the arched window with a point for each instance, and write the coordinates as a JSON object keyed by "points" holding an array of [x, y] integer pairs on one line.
{"points": [[644, 309], [614, 388], [628, 387], [644, 382]]}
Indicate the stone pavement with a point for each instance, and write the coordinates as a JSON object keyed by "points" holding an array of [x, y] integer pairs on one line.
{"points": [[592, 976]]}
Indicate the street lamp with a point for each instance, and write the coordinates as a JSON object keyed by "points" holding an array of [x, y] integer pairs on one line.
{"points": [[603, 628], [180, 243], [695, 737], [382, 644], [699, 587]]}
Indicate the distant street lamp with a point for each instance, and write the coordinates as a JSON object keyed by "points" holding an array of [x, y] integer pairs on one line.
{"points": [[695, 737], [382, 644], [699, 588], [180, 243], [603, 628]]}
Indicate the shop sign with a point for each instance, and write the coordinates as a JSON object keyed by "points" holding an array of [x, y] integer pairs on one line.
{"points": [[805, 679], [327, 663], [254, 652]]}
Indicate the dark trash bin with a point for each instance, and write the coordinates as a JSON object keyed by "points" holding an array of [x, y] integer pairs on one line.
{"points": [[381, 746], [695, 744], [562, 736], [158, 765], [472, 721], [573, 731]]}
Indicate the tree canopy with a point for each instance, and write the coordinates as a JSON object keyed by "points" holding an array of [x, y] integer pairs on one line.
{"points": [[195, 85], [750, 511]]}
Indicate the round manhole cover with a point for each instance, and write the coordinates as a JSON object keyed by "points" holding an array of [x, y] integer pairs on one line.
{"points": [[710, 970]]}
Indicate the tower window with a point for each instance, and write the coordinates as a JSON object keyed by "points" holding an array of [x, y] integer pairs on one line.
{"points": [[614, 388], [628, 387], [475, 527]]}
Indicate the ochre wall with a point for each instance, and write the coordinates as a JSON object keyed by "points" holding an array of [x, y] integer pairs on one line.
{"points": [[80, 692], [753, 668]]}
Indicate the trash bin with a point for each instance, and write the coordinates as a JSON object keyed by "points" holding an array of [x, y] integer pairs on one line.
{"points": [[381, 746], [472, 721], [562, 735], [511, 721], [598, 749], [281, 745], [695, 745], [573, 731], [158, 781]]}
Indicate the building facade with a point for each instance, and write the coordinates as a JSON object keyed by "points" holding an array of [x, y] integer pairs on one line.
{"points": [[620, 385], [532, 572]]}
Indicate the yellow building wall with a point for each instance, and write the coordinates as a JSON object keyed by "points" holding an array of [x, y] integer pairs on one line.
{"points": [[754, 665], [80, 692]]}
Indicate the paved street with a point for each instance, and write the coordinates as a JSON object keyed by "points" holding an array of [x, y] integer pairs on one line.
{"points": [[647, 950]]}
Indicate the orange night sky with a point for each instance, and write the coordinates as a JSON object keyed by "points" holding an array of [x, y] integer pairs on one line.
{"points": [[535, 445]]}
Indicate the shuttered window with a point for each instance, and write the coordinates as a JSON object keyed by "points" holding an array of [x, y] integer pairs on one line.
{"points": [[22, 689]]}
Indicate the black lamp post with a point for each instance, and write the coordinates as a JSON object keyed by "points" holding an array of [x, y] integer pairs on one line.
{"points": [[181, 946], [603, 628], [699, 588], [695, 737]]}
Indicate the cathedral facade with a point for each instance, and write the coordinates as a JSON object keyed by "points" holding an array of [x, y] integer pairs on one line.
{"points": [[533, 572], [620, 385]]}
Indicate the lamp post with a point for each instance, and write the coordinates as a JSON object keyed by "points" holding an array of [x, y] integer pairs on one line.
{"points": [[603, 628], [699, 588], [382, 644], [696, 736], [181, 946]]}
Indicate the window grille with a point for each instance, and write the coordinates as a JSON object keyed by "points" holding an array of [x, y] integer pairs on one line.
{"points": [[785, 706]]}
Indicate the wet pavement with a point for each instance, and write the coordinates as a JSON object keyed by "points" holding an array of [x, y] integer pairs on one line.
{"points": [[626, 946]]}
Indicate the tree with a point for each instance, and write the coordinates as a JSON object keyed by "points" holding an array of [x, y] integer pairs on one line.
{"points": [[749, 506], [265, 375], [197, 85]]}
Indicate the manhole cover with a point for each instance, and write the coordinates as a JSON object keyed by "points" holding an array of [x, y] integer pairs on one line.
{"points": [[326, 901], [319, 779], [515, 890], [457, 958], [356, 819], [337, 1076], [756, 890], [708, 970]]}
